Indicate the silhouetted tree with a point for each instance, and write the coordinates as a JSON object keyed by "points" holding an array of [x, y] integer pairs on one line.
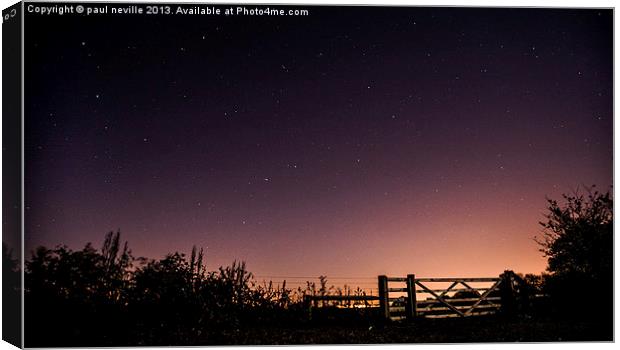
{"points": [[578, 241]]}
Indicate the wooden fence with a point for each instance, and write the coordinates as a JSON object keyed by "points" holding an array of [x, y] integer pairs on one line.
{"points": [[399, 297]]}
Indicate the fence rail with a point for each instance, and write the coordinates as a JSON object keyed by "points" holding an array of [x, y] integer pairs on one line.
{"points": [[341, 297], [459, 299], [453, 279]]}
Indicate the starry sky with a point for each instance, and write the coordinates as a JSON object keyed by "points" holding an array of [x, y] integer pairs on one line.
{"points": [[355, 141]]}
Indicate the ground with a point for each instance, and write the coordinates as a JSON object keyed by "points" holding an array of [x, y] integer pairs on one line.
{"points": [[481, 329]]}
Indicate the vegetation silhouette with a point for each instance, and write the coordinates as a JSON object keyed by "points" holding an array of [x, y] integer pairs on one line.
{"points": [[578, 242], [108, 297]]}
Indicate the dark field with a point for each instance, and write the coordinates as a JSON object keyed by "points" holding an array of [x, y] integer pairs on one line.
{"points": [[468, 330]]}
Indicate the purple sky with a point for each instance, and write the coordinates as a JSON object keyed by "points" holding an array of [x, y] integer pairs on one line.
{"points": [[352, 142]]}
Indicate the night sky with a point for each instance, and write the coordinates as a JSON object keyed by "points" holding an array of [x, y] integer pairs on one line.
{"points": [[351, 142]]}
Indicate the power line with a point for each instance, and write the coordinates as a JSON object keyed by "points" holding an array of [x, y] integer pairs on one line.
{"points": [[313, 281], [317, 277]]}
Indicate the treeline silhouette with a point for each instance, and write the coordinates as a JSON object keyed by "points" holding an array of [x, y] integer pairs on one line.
{"points": [[108, 297]]}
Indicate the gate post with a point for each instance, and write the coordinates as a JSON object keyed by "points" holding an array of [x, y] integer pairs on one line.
{"points": [[507, 294], [412, 304], [383, 296]]}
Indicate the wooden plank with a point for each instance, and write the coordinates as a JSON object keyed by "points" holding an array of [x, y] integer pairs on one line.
{"points": [[484, 313], [342, 297], [484, 296], [443, 316], [443, 308], [454, 316], [412, 305], [383, 296], [456, 290], [397, 279], [448, 290], [465, 284], [454, 279], [434, 301], [397, 289], [486, 306], [397, 309], [439, 298]]}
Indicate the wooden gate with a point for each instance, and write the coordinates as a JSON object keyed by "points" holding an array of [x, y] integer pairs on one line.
{"points": [[460, 298]]}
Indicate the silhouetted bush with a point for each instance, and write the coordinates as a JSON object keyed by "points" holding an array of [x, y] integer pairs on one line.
{"points": [[77, 297], [108, 297], [578, 240]]}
